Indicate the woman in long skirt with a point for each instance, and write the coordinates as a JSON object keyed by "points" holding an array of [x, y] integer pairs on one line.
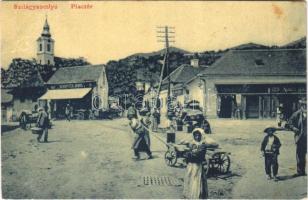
{"points": [[141, 141], [195, 180]]}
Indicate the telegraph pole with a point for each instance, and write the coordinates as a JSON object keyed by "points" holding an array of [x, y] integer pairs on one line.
{"points": [[165, 35]]}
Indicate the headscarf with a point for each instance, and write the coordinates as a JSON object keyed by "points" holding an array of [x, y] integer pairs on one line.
{"points": [[204, 138]]}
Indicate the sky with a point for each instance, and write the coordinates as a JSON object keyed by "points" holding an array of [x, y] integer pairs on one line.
{"points": [[115, 30]]}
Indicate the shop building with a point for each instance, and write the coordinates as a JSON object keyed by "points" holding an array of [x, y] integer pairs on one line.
{"points": [[252, 83], [82, 87]]}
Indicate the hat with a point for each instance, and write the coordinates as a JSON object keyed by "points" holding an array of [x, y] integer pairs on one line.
{"points": [[270, 129]]}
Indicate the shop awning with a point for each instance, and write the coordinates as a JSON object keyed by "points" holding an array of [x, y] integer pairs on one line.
{"points": [[57, 94]]}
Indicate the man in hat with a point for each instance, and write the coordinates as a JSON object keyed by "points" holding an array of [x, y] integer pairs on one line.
{"points": [[270, 150], [298, 124], [43, 122]]}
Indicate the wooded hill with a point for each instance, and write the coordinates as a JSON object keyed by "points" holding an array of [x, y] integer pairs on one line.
{"points": [[123, 74], [27, 73]]}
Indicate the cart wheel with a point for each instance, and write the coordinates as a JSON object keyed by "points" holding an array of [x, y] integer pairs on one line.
{"points": [[170, 158], [221, 162]]}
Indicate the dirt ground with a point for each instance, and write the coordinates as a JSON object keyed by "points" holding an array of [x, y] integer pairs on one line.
{"points": [[92, 159]]}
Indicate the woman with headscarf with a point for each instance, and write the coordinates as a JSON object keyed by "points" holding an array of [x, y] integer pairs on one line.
{"points": [[195, 180], [141, 141]]}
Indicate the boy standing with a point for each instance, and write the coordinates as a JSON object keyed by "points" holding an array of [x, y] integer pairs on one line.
{"points": [[270, 150]]}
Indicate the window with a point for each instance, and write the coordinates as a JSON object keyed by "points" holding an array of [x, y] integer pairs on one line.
{"points": [[41, 47], [48, 62], [48, 47], [40, 61], [259, 62]]}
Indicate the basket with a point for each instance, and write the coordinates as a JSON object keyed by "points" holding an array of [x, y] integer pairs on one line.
{"points": [[36, 130]]}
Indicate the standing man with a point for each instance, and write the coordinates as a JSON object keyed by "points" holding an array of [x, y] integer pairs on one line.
{"points": [[68, 112], [280, 114], [298, 124], [154, 119], [43, 122]]}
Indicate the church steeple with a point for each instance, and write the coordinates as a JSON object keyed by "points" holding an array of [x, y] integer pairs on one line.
{"points": [[45, 46], [46, 29]]}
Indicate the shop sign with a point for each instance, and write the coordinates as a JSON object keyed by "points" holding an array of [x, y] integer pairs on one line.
{"points": [[72, 85]]}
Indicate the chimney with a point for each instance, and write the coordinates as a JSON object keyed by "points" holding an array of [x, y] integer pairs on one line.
{"points": [[194, 62]]}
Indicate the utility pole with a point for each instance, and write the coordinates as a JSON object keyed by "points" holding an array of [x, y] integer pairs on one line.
{"points": [[165, 35]]}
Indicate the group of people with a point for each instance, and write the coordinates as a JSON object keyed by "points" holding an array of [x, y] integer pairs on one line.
{"points": [[271, 144], [195, 183]]}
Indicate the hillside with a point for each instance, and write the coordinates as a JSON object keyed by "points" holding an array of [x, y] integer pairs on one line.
{"points": [[160, 52]]}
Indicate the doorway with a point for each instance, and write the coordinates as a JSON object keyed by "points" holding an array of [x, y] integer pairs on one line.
{"points": [[225, 107], [252, 106]]}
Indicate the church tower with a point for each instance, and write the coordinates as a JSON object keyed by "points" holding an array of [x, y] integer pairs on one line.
{"points": [[45, 47]]}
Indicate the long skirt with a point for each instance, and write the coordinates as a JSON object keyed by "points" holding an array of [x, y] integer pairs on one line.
{"points": [[195, 182], [141, 142]]}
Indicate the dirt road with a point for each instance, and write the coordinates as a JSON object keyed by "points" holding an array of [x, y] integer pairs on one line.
{"points": [[92, 159]]}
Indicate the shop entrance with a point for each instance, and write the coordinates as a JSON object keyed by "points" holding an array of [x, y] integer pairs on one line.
{"points": [[252, 107], [226, 106]]}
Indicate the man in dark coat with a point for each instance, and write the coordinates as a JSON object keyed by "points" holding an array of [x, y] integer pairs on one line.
{"points": [[141, 141], [298, 124], [68, 112], [270, 150], [43, 122]]}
